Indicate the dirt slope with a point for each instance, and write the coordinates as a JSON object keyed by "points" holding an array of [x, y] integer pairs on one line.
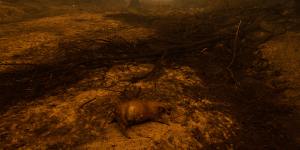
{"points": [[61, 76]]}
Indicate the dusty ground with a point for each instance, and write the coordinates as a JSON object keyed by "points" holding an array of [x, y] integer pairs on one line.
{"points": [[52, 64]]}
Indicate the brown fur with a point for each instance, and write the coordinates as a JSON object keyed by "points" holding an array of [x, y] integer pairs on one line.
{"points": [[134, 112]]}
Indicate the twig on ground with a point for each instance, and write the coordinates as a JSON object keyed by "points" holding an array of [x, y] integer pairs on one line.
{"points": [[235, 45], [103, 40], [235, 49], [204, 50], [85, 103]]}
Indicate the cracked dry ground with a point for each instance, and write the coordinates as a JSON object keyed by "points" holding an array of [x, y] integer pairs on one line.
{"points": [[69, 60]]}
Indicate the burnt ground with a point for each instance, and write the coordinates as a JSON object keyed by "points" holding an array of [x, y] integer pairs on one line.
{"points": [[232, 77]]}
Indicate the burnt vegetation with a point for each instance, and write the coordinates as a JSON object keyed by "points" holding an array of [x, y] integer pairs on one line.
{"points": [[222, 47]]}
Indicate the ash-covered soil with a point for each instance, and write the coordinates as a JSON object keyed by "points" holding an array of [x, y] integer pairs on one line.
{"points": [[232, 77]]}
